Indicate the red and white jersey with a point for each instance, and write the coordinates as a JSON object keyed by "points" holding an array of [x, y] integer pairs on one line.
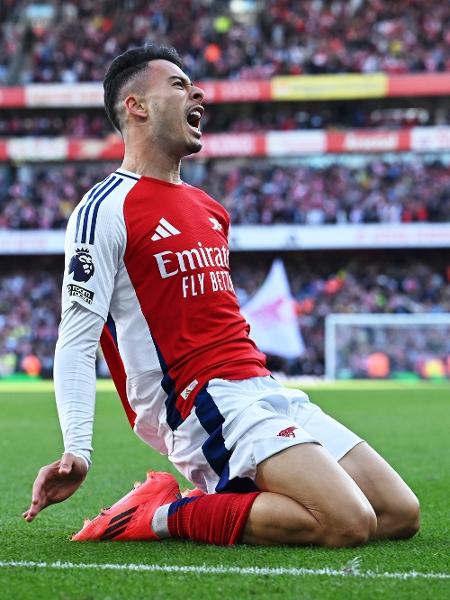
{"points": [[152, 259]]}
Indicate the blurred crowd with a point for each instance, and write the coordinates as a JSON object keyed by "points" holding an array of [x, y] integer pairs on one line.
{"points": [[263, 192], [10, 36], [398, 351], [62, 40], [30, 305], [35, 197], [241, 118], [79, 124], [377, 191], [74, 41], [390, 284], [329, 116], [29, 318]]}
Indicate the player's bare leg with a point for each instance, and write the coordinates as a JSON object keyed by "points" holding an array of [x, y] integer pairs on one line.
{"points": [[396, 506], [310, 500]]}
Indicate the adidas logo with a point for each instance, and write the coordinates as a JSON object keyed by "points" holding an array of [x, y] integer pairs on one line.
{"points": [[164, 230]]}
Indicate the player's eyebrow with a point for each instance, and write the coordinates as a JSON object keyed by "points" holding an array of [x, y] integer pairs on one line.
{"points": [[183, 79]]}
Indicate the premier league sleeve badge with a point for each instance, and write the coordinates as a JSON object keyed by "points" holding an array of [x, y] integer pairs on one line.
{"points": [[81, 265]]}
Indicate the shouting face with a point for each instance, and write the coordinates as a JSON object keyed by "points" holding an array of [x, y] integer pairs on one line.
{"points": [[168, 110]]}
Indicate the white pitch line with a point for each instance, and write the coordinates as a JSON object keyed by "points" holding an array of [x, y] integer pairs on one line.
{"points": [[221, 570]]}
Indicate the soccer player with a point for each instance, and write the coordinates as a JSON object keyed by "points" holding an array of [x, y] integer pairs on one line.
{"points": [[147, 271]]}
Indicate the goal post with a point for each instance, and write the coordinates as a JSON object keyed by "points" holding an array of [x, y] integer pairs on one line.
{"points": [[384, 346]]}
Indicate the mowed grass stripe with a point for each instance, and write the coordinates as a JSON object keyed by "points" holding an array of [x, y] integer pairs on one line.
{"points": [[223, 570], [409, 426]]}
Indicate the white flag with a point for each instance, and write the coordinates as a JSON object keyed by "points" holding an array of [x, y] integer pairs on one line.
{"points": [[272, 317]]}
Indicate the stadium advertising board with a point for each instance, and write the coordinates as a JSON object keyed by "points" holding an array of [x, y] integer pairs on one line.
{"points": [[334, 237], [218, 145], [430, 138], [288, 87], [329, 87], [272, 237], [39, 241]]}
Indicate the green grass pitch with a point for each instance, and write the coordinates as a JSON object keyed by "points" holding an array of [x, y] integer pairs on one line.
{"points": [[408, 424]]}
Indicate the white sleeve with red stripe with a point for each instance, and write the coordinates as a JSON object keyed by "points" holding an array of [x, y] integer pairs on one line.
{"points": [[74, 378]]}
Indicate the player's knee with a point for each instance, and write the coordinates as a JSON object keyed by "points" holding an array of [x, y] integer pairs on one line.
{"points": [[354, 530], [407, 518]]}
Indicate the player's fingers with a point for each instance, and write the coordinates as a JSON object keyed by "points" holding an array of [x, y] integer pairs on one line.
{"points": [[38, 495], [34, 509], [28, 516]]}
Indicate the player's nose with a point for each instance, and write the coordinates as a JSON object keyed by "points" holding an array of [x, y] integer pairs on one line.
{"points": [[197, 94]]}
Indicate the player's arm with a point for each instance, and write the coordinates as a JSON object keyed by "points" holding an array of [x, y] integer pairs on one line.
{"points": [[74, 377], [93, 251]]}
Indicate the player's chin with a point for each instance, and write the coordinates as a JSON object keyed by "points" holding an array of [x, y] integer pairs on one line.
{"points": [[192, 140], [193, 146]]}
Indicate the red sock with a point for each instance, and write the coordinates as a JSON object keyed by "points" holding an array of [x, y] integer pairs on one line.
{"points": [[213, 518]]}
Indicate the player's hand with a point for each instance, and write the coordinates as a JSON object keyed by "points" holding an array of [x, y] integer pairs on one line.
{"points": [[56, 482]]}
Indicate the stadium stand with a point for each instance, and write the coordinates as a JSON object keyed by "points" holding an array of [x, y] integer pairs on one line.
{"points": [[364, 143], [382, 283], [43, 197], [376, 192], [29, 308], [369, 282], [260, 192], [250, 118], [272, 38]]}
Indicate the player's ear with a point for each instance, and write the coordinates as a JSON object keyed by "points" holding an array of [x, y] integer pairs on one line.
{"points": [[135, 106]]}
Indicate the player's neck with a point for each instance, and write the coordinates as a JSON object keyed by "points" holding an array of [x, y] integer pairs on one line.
{"points": [[157, 165]]}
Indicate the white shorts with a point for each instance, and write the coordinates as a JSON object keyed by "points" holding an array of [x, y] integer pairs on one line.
{"points": [[235, 425]]}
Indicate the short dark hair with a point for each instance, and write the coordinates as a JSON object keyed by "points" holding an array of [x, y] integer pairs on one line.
{"points": [[127, 65]]}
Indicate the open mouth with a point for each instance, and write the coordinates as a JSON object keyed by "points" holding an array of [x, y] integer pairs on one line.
{"points": [[194, 117]]}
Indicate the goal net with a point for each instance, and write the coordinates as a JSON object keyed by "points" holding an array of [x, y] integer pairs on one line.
{"points": [[384, 346]]}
